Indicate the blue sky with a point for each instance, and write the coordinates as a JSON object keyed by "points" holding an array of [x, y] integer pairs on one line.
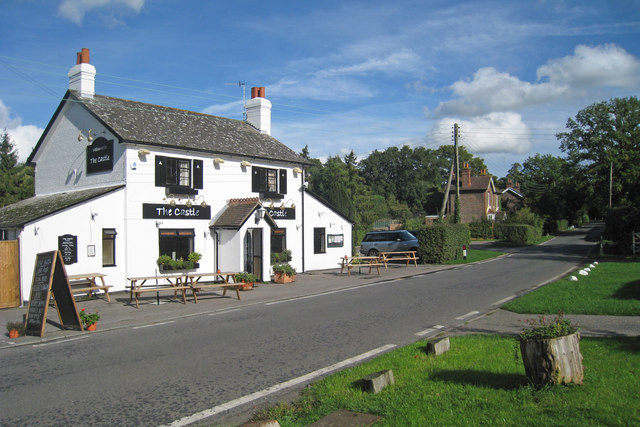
{"points": [[341, 75]]}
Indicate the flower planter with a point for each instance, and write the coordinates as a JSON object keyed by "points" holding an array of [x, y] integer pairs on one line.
{"points": [[553, 360], [14, 334], [245, 286], [283, 277], [92, 327]]}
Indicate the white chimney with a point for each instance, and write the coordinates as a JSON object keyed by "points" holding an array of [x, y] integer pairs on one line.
{"points": [[82, 76], [259, 110]]}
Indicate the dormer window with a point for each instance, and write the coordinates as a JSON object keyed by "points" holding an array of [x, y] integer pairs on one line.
{"points": [[270, 183], [180, 176]]}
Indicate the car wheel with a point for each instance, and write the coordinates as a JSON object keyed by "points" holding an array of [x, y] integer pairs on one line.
{"points": [[373, 252]]}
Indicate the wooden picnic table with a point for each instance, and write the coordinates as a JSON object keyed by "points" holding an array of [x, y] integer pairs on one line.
{"points": [[212, 280], [360, 261], [407, 256], [87, 283], [172, 283]]}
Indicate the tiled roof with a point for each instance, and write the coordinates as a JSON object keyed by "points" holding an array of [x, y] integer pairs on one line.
{"points": [[28, 210], [137, 122], [237, 212]]}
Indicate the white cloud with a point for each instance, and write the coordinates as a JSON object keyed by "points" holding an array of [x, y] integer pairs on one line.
{"points": [[231, 108], [74, 10], [23, 137], [393, 62], [589, 68], [492, 133]]}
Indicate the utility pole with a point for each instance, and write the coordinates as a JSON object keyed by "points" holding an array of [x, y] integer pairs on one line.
{"points": [[457, 213], [610, 183]]}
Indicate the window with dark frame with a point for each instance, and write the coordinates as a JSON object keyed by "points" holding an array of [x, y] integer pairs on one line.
{"points": [[269, 182], [109, 247], [177, 243], [180, 176], [319, 242], [278, 240]]}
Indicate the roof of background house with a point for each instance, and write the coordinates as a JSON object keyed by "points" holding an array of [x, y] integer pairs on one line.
{"points": [[237, 212], [154, 125], [478, 183], [512, 190], [28, 210]]}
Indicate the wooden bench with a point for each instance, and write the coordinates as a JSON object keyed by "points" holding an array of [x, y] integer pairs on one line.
{"points": [[218, 280], [87, 283], [169, 283], [407, 256], [349, 263]]}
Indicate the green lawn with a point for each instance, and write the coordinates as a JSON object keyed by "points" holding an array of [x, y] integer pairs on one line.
{"points": [[479, 381], [612, 288], [474, 255]]}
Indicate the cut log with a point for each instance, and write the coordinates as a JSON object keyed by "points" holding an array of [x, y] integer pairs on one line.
{"points": [[553, 360]]}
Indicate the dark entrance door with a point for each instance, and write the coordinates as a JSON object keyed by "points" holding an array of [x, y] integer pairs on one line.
{"points": [[253, 252]]}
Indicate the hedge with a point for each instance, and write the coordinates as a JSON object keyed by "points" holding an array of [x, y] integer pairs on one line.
{"points": [[519, 234], [482, 229], [442, 242]]}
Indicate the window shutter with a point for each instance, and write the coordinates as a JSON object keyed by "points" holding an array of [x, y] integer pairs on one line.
{"points": [[256, 178], [197, 174], [161, 171], [283, 181]]}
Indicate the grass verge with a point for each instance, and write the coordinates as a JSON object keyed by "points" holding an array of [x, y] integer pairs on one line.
{"points": [[474, 255], [479, 381], [612, 288]]}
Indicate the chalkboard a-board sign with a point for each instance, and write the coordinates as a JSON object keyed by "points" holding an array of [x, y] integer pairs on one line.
{"points": [[68, 247], [50, 277]]}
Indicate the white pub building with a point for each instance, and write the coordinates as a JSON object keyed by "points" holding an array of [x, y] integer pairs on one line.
{"points": [[119, 183]]}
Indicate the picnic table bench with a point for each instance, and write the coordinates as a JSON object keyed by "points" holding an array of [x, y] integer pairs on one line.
{"points": [[360, 261], [87, 283], [407, 256], [172, 283], [212, 280]]}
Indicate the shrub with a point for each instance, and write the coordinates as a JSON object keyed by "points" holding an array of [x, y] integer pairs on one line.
{"points": [[482, 229], [519, 234], [442, 242], [545, 329], [284, 268], [246, 277], [621, 222]]}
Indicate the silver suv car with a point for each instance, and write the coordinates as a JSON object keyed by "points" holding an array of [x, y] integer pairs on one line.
{"points": [[375, 242]]}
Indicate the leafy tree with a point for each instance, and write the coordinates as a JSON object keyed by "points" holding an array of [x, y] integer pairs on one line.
{"points": [[606, 135], [16, 180]]}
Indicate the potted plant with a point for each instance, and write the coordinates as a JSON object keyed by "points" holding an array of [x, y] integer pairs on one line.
{"points": [[194, 257], [89, 320], [15, 329], [551, 351], [245, 281], [164, 262], [283, 273]]}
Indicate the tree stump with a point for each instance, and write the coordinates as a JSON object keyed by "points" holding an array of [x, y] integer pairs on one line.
{"points": [[553, 360]]}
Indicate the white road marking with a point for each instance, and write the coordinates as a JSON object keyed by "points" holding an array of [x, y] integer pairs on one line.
{"points": [[224, 312], [278, 387], [330, 292], [61, 341], [464, 316], [154, 324], [430, 330], [502, 301]]}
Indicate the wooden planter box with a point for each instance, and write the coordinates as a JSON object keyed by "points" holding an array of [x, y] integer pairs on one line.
{"points": [[553, 360], [283, 278]]}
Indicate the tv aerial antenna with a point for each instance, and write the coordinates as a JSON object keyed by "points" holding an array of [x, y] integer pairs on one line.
{"points": [[242, 85]]}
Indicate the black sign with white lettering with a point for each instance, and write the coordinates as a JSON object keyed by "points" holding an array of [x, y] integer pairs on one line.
{"points": [[154, 211], [68, 247], [100, 155], [286, 213]]}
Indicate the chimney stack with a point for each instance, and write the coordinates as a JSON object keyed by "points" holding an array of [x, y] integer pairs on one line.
{"points": [[82, 76], [259, 110], [466, 175]]}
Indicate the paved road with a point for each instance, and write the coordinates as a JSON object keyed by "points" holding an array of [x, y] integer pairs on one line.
{"points": [[162, 372]]}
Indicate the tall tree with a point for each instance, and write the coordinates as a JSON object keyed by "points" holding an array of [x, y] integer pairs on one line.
{"points": [[16, 180], [603, 138]]}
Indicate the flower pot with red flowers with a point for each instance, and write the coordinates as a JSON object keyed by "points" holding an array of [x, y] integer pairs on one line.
{"points": [[283, 273], [245, 281], [89, 320]]}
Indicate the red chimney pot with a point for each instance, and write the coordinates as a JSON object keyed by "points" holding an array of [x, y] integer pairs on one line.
{"points": [[83, 56]]}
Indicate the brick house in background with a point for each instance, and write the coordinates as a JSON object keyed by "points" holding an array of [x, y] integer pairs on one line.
{"points": [[511, 198], [479, 198]]}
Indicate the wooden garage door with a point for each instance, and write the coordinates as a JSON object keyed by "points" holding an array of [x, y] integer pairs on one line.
{"points": [[9, 274]]}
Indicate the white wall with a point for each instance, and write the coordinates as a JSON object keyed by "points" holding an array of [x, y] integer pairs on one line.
{"points": [[61, 159], [42, 236], [318, 215]]}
